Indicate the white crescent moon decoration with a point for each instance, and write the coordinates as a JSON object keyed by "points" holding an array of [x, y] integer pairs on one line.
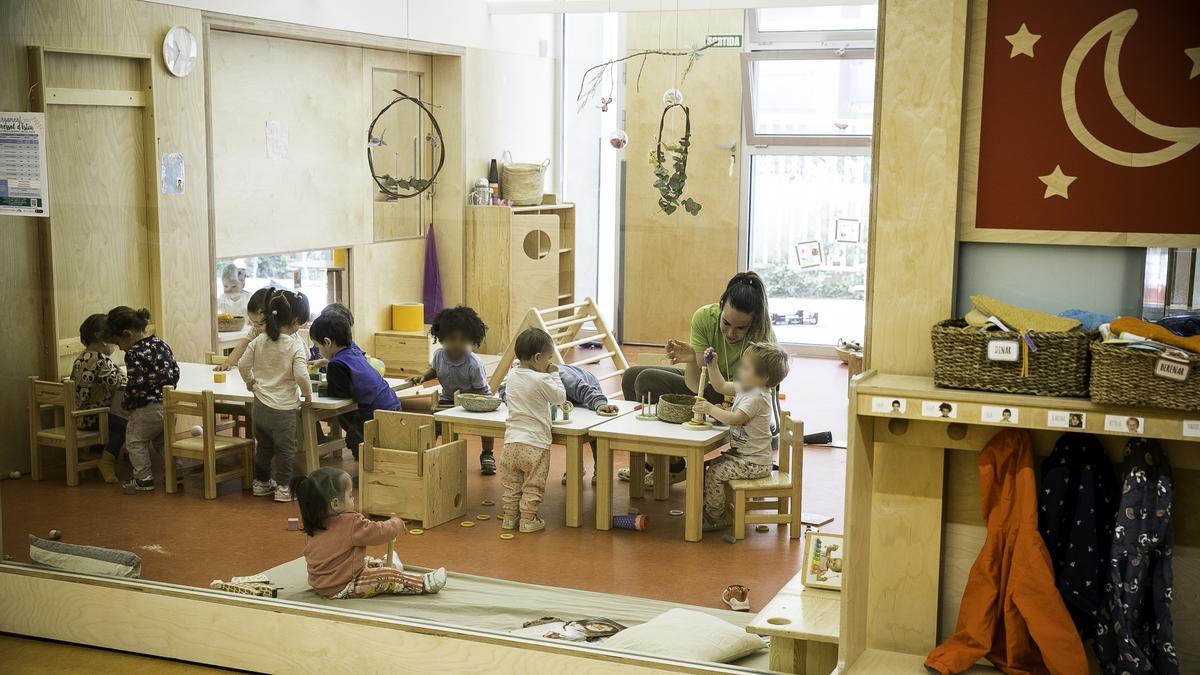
{"points": [[1182, 139]]}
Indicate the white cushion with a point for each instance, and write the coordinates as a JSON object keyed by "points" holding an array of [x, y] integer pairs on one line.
{"points": [[687, 634]]}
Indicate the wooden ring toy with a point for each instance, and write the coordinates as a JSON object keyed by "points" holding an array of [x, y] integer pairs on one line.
{"points": [[483, 516], [467, 523], [488, 502], [675, 512], [416, 531], [507, 535]]}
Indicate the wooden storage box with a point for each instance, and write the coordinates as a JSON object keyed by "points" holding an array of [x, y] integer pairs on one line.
{"points": [[961, 360], [405, 474], [1125, 376], [404, 353]]}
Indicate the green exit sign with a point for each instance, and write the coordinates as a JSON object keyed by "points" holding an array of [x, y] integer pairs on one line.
{"points": [[724, 41]]}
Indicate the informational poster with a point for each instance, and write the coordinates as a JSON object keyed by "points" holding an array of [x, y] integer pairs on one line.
{"points": [[23, 164]]}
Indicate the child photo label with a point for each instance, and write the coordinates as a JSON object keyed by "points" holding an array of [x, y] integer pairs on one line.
{"points": [[999, 414], [1191, 428], [1124, 424], [885, 404], [1003, 350], [939, 409], [1062, 419]]}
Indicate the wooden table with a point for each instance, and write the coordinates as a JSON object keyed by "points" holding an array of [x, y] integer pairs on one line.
{"points": [[803, 624], [198, 377], [661, 441], [571, 435]]}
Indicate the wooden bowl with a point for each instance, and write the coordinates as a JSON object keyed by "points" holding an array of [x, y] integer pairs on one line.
{"points": [[478, 402], [676, 408]]}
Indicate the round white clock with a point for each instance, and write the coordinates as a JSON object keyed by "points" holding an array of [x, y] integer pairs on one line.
{"points": [[179, 51]]}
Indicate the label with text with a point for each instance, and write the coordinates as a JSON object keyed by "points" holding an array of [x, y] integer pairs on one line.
{"points": [[1124, 424], [1172, 370], [883, 404], [1191, 428], [1063, 419], [1003, 350], [999, 413]]}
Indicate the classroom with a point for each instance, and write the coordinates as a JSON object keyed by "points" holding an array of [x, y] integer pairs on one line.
{"points": [[605, 336]]}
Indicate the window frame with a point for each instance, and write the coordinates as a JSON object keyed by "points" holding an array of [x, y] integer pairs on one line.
{"points": [[857, 38]]}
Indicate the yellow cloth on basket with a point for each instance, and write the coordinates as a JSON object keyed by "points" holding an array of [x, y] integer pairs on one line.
{"points": [[1021, 319]]}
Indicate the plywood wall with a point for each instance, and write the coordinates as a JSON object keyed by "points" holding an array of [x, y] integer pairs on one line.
{"points": [[127, 26]]}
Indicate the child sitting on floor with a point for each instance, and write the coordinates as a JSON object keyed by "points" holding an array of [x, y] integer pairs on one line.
{"points": [[456, 367], [338, 537], [531, 389], [583, 389], [150, 366], [96, 379], [256, 318], [350, 376], [762, 368], [275, 368]]}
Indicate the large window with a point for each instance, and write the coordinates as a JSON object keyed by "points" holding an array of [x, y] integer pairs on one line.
{"points": [[318, 274], [796, 95]]}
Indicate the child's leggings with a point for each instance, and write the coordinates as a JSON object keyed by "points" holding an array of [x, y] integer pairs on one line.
{"points": [[275, 448], [144, 435], [720, 471], [374, 581]]}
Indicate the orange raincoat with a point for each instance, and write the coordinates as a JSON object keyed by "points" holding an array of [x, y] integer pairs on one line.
{"points": [[1011, 610]]}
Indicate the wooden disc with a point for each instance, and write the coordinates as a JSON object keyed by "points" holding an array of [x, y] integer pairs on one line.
{"points": [[675, 512], [483, 516], [467, 523], [762, 528], [507, 535], [416, 531], [488, 502]]}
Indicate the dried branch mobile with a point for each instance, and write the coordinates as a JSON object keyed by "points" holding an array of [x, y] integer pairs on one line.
{"points": [[598, 72], [391, 185]]}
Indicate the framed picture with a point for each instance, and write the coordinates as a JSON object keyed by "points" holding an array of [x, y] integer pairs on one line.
{"points": [[846, 230], [823, 560], [808, 254]]}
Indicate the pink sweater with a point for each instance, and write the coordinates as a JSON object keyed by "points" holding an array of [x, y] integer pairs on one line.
{"points": [[338, 553]]}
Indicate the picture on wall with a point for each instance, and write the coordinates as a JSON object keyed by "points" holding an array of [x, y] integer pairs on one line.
{"points": [[846, 230], [823, 560], [808, 254]]}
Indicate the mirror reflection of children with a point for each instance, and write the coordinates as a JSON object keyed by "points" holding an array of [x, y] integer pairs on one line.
{"points": [[1006, 415], [233, 301], [1075, 421], [97, 379], [256, 317], [1132, 425], [336, 547], [895, 406], [827, 563], [945, 409]]}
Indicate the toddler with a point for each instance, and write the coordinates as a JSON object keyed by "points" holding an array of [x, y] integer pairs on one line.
{"points": [[456, 367], [338, 537], [256, 317], [275, 368], [762, 367], [96, 379], [235, 298], [350, 375], [531, 388], [150, 366], [334, 309]]}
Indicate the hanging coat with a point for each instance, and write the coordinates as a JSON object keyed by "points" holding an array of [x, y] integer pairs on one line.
{"points": [[1134, 633], [1011, 612], [1076, 509]]}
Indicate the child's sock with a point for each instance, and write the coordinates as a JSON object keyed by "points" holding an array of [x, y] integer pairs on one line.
{"points": [[107, 467], [435, 581]]}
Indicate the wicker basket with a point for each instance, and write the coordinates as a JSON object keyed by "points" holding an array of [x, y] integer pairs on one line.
{"points": [[1124, 376], [676, 408], [1059, 367], [478, 403], [230, 324], [522, 183]]}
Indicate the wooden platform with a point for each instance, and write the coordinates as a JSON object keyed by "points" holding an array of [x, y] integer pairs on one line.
{"points": [[803, 624]]}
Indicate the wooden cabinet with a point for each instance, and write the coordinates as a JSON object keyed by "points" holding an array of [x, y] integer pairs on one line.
{"points": [[404, 353], [517, 258]]}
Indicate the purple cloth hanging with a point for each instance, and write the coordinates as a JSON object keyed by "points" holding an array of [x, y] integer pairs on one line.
{"points": [[433, 279]]}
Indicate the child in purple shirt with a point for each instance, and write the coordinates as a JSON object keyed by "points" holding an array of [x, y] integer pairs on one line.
{"points": [[350, 375], [456, 367]]}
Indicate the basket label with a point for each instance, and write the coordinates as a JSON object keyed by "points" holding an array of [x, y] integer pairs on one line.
{"points": [[1003, 350], [1171, 369], [1191, 428]]}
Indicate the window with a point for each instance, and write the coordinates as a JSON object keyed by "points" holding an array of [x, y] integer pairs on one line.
{"points": [[318, 274], [809, 93], [847, 23]]}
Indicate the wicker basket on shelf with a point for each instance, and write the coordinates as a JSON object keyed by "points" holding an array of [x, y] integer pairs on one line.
{"points": [[675, 408], [1058, 367], [230, 324], [522, 183], [1125, 376]]}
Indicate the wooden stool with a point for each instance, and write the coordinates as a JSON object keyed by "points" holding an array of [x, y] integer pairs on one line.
{"points": [[403, 473], [59, 397]]}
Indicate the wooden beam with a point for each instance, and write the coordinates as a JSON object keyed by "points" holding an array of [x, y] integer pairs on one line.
{"points": [[102, 97]]}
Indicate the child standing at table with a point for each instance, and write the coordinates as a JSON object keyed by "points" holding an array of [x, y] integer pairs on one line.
{"points": [[256, 317], [456, 367], [96, 379], [150, 366], [350, 375], [275, 368], [235, 298], [531, 389], [338, 537], [762, 368], [336, 309]]}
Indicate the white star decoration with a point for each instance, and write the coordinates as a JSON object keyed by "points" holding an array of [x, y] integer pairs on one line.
{"points": [[1194, 55], [1057, 183], [1022, 42]]}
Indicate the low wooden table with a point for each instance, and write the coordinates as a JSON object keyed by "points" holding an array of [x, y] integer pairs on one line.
{"points": [[804, 624], [661, 441], [198, 377], [572, 435]]}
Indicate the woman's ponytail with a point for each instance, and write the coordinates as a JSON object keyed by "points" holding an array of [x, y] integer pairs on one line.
{"points": [[747, 293]]}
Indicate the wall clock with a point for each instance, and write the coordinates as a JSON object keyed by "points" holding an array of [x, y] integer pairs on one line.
{"points": [[179, 51]]}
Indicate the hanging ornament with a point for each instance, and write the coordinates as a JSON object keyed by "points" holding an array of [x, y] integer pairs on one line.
{"points": [[604, 103], [672, 97], [618, 139]]}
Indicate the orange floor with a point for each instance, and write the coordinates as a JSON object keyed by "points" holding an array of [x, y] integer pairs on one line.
{"points": [[184, 539]]}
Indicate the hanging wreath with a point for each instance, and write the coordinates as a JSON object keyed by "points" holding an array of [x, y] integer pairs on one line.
{"points": [[670, 184], [390, 185]]}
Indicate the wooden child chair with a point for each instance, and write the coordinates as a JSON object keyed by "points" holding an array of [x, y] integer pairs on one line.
{"points": [[59, 397], [240, 413], [208, 447], [403, 473], [778, 492]]}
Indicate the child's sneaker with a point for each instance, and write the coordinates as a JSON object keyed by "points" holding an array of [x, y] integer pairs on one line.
{"points": [[136, 485], [487, 463], [264, 488], [534, 524], [509, 523], [107, 466], [435, 580], [283, 494]]}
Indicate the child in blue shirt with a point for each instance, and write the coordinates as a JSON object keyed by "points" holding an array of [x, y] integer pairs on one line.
{"points": [[350, 375], [456, 367]]}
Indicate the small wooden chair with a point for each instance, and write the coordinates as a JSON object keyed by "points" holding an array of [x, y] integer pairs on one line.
{"points": [[779, 492], [241, 413], [208, 447], [59, 397], [403, 473]]}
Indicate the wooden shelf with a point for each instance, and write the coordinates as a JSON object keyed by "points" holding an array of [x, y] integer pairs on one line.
{"points": [[542, 207], [881, 662]]}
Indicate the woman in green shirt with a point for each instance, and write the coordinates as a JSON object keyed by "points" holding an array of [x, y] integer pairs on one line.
{"points": [[728, 326]]}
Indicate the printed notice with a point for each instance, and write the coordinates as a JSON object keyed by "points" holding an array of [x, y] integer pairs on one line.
{"points": [[1124, 424], [23, 164], [1062, 419], [939, 409], [1191, 428], [999, 414], [883, 404]]}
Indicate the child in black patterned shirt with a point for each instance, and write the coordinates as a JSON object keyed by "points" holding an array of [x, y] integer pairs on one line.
{"points": [[96, 379]]}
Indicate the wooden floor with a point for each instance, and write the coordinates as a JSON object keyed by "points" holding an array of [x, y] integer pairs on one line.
{"points": [[184, 539]]}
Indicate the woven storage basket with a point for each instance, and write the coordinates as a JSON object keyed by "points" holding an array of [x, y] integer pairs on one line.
{"points": [[230, 324], [478, 402], [522, 183], [1059, 367], [676, 408], [1124, 376]]}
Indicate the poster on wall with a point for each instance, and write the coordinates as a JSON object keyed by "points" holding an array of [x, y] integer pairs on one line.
{"points": [[23, 164], [1090, 117]]}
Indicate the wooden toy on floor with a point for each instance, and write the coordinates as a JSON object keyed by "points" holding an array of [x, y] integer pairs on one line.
{"points": [[262, 590], [56, 535], [293, 524], [699, 423], [404, 473]]}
